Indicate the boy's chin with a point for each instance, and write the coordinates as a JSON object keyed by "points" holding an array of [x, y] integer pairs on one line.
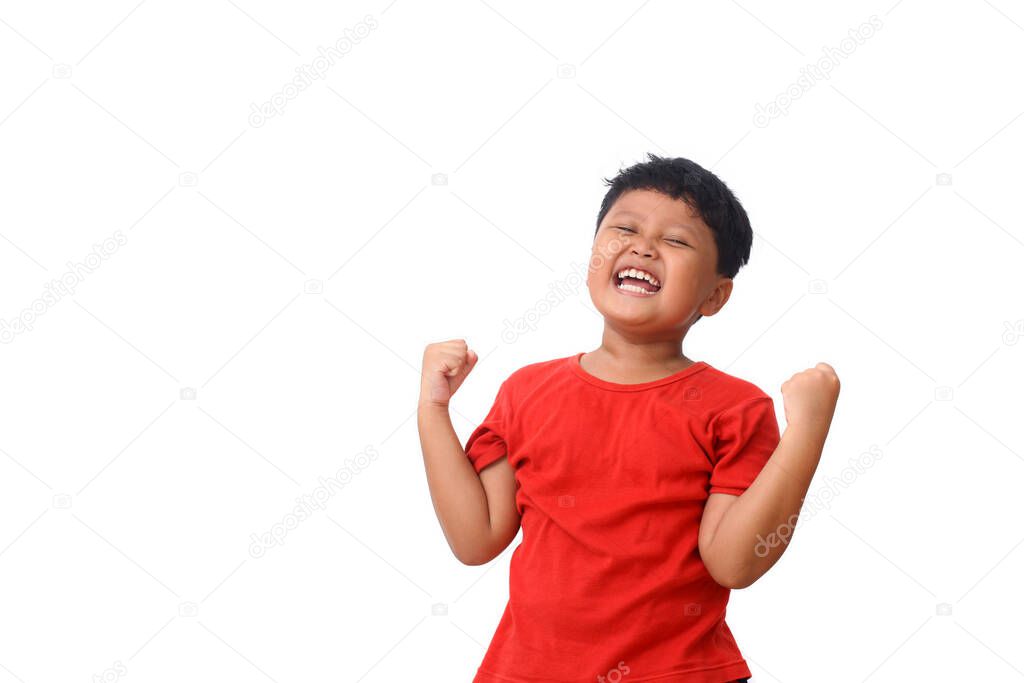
{"points": [[620, 311], [621, 315]]}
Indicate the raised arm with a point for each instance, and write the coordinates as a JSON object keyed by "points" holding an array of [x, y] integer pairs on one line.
{"points": [[741, 537], [477, 513]]}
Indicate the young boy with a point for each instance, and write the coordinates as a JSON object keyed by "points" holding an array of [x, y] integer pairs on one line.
{"points": [[647, 484]]}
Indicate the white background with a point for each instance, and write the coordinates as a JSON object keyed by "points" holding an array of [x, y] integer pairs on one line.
{"points": [[127, 512]]}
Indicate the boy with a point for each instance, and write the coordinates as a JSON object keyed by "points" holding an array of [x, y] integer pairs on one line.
{"points": [[647, 484]]}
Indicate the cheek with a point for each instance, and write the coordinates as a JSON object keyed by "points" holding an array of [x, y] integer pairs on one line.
{"points": [[686, 280], [597, 264], [604, 252]]}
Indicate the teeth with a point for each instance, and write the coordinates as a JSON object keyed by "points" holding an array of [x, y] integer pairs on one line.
{"points": [[643, 275], [634, 288]]}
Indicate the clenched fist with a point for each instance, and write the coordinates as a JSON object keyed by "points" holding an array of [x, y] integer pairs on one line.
{"points": [[445, 366], [809, 397]]}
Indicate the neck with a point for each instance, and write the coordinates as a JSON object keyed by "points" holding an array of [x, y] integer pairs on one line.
{"points": [[629, 350]]}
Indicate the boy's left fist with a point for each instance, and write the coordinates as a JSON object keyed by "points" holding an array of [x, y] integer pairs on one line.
{"points": [[809, 397]]}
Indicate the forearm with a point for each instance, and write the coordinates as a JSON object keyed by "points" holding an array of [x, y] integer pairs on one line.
{"points": [[755, 530], [459, 499]]}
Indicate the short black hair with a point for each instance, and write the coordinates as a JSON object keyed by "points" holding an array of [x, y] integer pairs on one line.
{"points": [[706, 194]]}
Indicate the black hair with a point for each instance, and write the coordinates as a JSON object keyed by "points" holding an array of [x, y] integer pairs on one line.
{"points": [[703, 191]]}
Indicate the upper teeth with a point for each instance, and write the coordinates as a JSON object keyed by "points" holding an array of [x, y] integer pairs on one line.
{"points": [[641, 274]]}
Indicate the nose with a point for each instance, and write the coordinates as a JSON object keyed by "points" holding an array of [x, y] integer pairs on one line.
{"points": [[640, 246]]}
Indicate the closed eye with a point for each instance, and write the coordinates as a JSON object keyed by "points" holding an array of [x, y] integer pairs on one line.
{"points": [[630, 229], [621, 227]]}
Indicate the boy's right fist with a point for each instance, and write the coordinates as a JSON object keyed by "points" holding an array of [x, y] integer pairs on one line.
{"points": [[445, 366]]}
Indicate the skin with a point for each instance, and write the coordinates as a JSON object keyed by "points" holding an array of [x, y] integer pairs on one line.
{"points": [[740, 537], [478, 514]]}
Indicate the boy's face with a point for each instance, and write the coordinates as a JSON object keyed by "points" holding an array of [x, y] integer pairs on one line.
{"points": [[652, 231]]}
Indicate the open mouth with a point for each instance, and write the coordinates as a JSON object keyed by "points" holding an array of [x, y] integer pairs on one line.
{"points": [[636, 283]]}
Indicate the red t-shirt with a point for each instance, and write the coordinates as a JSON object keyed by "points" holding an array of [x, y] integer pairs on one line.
{"points": [[611, 485]]}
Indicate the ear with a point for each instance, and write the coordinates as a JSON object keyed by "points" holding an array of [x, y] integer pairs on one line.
{"points": [[717, 298]]}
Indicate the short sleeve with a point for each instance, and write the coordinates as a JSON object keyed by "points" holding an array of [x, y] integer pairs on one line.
{"points": [[745, 436], [488, 442]]}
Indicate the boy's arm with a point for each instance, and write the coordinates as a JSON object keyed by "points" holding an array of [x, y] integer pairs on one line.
{"points": [[741, 537], [477, 513]]}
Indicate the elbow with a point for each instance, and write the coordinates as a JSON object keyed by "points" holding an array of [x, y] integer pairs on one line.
{"points": [[745, 578], [470, 550], [741, 583], [473, 557], [731, 582], [734, 583], [729, 571], [733, 579]]}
